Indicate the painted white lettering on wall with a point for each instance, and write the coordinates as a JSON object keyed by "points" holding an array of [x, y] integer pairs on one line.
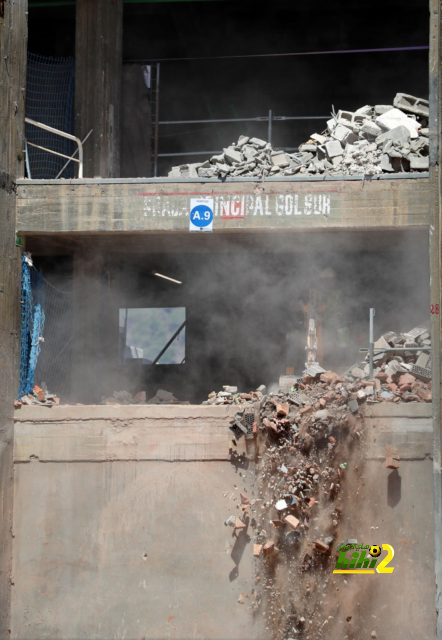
{"points": [[239, 206]]}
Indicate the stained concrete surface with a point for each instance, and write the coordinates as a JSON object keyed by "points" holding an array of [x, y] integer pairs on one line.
{"points": [[136, 548], [130, 550], [381, 506]]}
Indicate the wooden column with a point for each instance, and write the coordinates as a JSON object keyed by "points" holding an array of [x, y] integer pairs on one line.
{"points": [[98, 62], [13, 45], [435, 240]]}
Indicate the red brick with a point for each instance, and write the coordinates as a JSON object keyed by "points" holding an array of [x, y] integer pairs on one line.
{"points": [[257, 548], [331, 439], [268, 548], [425, 395], [321, 546], [392, 457], [244, 499], [381, 376], [392, 387], [305, 410], [292, 521], [40, 393], [239, 524], [282, 409], [406, 378]]}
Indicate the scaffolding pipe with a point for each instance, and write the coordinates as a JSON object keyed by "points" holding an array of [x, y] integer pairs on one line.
{"points": [[64, 135]]}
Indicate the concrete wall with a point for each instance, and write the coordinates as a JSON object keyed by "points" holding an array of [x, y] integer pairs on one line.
{"points": [[118, 526]]}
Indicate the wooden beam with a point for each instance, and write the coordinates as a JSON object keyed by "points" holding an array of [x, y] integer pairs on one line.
{"points": [[98, 62], [137, 207], [13, 46]]}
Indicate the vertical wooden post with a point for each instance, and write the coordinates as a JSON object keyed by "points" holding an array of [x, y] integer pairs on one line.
{"points": [[435, 285], [13, 46], [98, 62]]}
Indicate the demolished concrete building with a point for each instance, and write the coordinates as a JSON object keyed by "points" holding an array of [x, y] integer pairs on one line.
{"points": [[136, 501]]}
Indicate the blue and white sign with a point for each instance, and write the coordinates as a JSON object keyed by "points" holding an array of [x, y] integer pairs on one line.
{"points": [[201, 214]]}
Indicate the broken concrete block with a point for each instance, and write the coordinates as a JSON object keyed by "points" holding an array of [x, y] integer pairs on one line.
{"points": [[419, 163], [323, 414], [394, 118], [370, 130], [281, 160], [175, 172], [257, 142], [363, 111], [379, 109], [333, 148], [392, 458], [411, 104], [386, 163], [232, 156], [281, 505], [423, 360], [358, 373], [399, 134], [319, 138], [292, 522], [242, 140], [353, 405], [331, 125], [230, 521], [344, 135]]}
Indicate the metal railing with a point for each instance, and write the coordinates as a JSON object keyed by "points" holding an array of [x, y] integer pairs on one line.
{"points": [[270, 119], [64, 135]]}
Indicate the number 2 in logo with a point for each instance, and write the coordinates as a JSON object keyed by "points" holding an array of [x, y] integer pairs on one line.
{"points": [[382, 567]]}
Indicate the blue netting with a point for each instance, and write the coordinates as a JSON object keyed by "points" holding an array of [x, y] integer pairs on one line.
{"points": [[50, 88], [32, 323]]}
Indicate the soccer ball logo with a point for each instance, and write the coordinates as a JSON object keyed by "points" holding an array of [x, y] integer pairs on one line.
{"points": [[375, 551]]}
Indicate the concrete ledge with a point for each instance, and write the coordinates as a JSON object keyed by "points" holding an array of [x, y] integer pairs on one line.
{"points": [[404, 410], [408, 427], [131, 432], [90, 412]]}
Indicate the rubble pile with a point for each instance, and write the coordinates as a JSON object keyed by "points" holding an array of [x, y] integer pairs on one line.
{"points": [[124, 397], [39, 396], [399, 375], [371, 140], [303, 436]]}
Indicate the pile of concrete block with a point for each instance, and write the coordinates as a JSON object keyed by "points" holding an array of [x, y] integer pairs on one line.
{"points": [[39, 396], [369, 141], [401, 375]]}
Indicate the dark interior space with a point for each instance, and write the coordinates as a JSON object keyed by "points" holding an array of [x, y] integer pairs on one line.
{"points": [[232, 60], [245, 322]]}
